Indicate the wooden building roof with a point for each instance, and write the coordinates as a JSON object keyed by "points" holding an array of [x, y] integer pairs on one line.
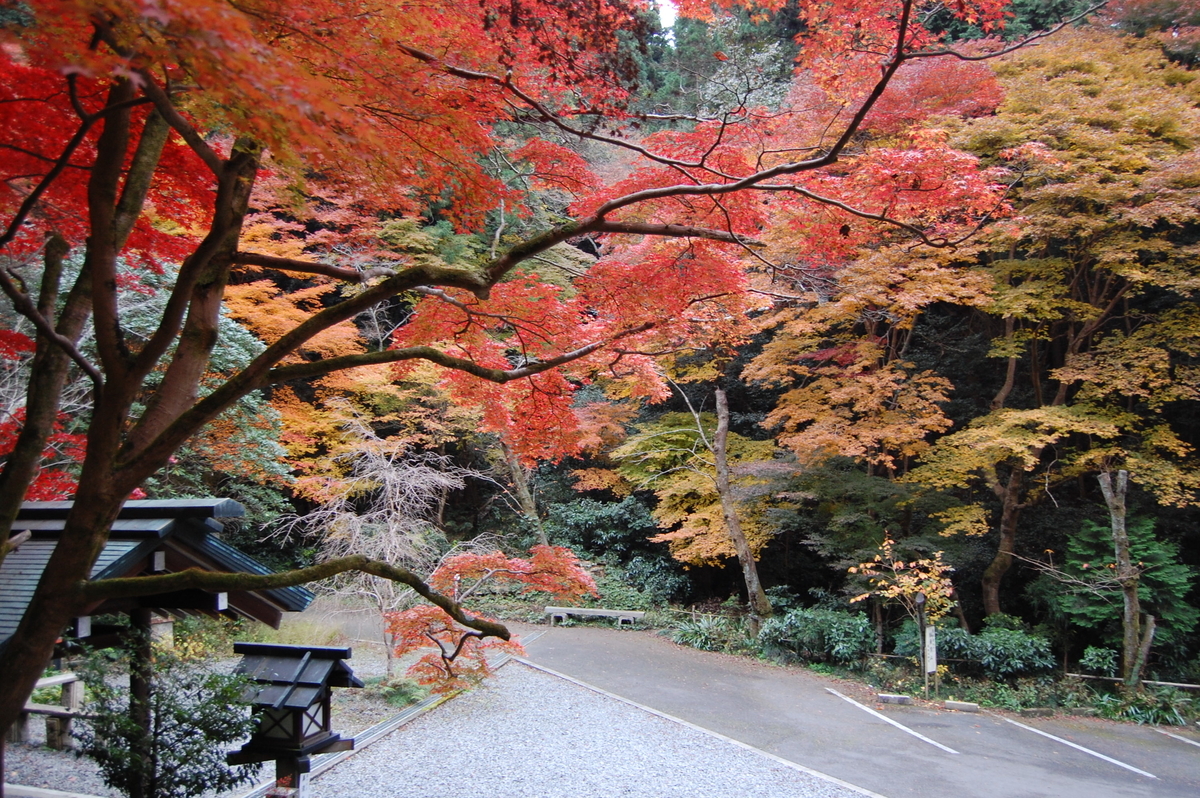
{"points": [[149, 536]]}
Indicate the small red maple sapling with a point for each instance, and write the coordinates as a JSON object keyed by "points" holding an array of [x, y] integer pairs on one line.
{"points": [[458, 656]]}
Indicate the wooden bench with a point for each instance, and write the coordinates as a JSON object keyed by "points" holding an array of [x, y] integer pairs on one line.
{"points": [[58, 716], [622, 616]]}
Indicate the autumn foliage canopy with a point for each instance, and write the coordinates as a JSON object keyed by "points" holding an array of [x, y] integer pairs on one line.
{"points": [[220, 145]]}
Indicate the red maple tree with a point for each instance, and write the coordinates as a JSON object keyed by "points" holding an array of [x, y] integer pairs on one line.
{"points": [[137, 130], [459, 655]]}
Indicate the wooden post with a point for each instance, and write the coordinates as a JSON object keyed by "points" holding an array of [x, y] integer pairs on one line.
{"points": [[19, 731], [58, 730], [58, 733], [291, 778], [141, 674]]}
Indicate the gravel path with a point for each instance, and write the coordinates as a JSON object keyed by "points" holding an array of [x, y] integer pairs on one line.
{"points": [[33, 765], [529, 734], [524, 734]]}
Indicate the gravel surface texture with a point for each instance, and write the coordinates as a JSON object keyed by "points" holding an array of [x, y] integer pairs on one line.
{"points": [[33, 765], [524, 734], [529, 734]]}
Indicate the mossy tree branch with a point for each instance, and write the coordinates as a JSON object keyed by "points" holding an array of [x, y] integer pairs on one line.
{"points": [[197, 579]]}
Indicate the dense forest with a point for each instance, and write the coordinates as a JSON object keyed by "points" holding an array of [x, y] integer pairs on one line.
{"points": [[960, 357]]}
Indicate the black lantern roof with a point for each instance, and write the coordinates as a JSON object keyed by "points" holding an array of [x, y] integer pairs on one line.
{"points": [[289, 690], [292, 676]]}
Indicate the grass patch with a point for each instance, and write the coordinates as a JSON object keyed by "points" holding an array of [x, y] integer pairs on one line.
{"points": [[399, 691]]}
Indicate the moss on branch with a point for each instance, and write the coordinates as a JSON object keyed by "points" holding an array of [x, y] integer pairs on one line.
{"points": [[197, 579]]}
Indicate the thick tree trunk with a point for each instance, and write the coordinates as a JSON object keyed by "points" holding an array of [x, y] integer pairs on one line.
{"points": [[55, 601], [51, 364], [958, 612], [105, 482], [1010, 513], [759, 603], [523, 491], [1127, 574], [1143, 654]]}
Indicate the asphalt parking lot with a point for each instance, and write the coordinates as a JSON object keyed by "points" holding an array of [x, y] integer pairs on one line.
{"points": [[895, 751]]}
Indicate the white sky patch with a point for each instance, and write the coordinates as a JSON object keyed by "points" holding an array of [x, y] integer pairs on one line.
{"points": [[666, 13]]}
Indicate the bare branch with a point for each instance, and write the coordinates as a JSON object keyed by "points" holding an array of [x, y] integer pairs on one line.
{"points": [[13, 543], [310, 267], [675, 231], [317, 368], [162, 101], [1101, 586], [61, 163], [1018, 45], [25, 305]]}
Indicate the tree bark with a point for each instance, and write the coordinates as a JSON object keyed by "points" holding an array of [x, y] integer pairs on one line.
{"points": [[1143, 653], [1010, 513], [51, 364], [47, 377], [958, 611], [877, 619], [56, 600], [523, 491], [760, 605], [1127, 574]]}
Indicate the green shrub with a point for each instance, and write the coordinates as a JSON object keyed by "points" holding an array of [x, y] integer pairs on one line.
{"points": [[401, 692], [617, 536], [47, 695], [998, 651], [199, 637], [1009, 652], [1099, 660], [783, 598], [1001, 620], [195, 715], [1027, 693], [616, 593], [1163, 706], [819, 635], [708, 633]]}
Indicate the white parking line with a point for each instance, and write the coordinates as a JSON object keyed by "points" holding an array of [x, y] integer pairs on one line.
{"points": [[886, 719], [1177, 737], [1078, 747], [738, 743]]}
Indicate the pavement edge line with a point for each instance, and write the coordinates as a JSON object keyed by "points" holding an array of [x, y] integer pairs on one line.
{"points": [[895, 723], [786, 762], [1079, 747], [1178, 737]]}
